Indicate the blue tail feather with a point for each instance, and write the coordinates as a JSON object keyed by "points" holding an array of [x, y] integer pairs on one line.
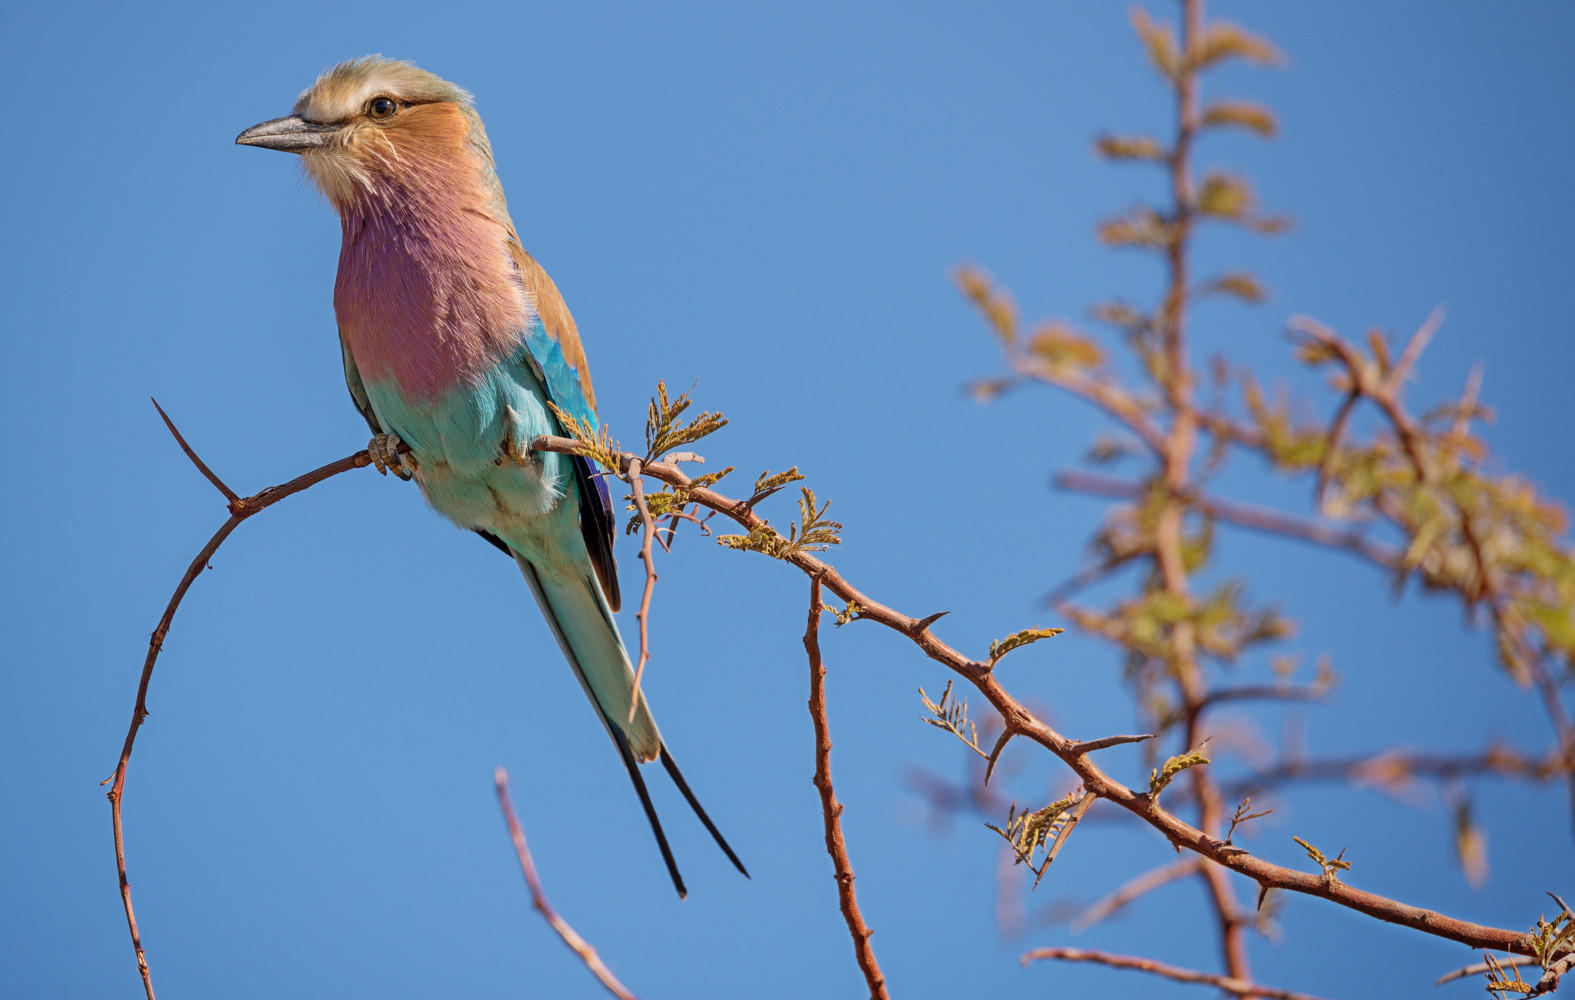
{"points": [[576, 608]]}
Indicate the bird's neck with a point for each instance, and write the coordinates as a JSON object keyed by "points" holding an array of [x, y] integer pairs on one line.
{"points": [[427, 294]]}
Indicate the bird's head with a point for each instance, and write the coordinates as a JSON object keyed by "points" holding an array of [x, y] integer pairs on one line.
{"points": [[371, 127]]}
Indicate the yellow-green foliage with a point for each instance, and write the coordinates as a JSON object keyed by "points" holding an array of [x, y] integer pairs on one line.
{"points": [[599, 445], [1161, 776], [1331, 866], [952, 715], [813, 533], [768, 483], [671, 500], [1552, 939], [665, 431], [1131, 147], [1017, 640], [1241, 114], [1030, 831]]}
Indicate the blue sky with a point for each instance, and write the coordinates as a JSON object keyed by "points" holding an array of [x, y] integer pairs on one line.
{"points": [[766, 204]]}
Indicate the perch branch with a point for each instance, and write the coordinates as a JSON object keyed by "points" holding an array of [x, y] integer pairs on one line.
{"points": [[240, 508]]}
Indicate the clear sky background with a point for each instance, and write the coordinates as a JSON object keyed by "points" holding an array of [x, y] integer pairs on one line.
{"points": [[767, 203]]}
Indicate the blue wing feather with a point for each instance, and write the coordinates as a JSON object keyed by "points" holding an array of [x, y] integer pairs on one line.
{"points": [[553, 346]]}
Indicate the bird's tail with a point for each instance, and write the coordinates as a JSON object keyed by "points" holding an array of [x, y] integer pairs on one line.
{"points": [[583, 623]]}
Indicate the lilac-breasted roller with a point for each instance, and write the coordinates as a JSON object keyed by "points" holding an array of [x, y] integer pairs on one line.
{"points": [[455, 341]]}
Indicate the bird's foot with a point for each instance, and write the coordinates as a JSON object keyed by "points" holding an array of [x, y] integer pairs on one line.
{"points": [[514, 452], [384, 449]]}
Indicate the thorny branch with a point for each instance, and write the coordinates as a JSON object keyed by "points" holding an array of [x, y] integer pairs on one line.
{"points": [[830, 808], [538, 898], [1022, 722], [1016, 718]]}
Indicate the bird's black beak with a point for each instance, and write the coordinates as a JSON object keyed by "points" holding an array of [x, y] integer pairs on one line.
{"points": [[291, 134]]}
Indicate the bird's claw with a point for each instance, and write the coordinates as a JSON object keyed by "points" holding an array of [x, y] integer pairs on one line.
{"points": [[384, 450], [513, 452]]}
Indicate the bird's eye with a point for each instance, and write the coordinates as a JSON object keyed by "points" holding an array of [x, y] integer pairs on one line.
{"points": [[382, 108]]}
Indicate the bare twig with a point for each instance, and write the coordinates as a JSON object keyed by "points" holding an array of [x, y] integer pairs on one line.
{"points": [[240, 509], [643, 616], [1389, 767], [1263, 692], [1244, 515], [538, 898], [202, 467], [1109, 397], [1468, 401], [1413, 352], [1086, 577], [1143, 884], [1332, 443], [831, 809], [1230, 984], [1508, 962], [1548, 690]]}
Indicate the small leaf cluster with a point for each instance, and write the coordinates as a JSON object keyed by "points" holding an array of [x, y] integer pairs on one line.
{"points": [[769, 482], [1163, 775], [1552, 945], [1331, 866], [665, 429], [1502, 981], [1221, 623], [952, 715], [813, 532], [1030, 832], [597, 441], [852, 613], [1490, 538], [671, 500], [1549, 940], [1054, 346], [1243, 815], [1017, 640], [1220, 196]]}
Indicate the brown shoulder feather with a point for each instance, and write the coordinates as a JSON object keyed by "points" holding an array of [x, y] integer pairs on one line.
{"points": [[596, 524], [554, 315]]}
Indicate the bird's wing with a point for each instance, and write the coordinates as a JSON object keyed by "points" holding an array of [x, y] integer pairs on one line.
{"points": [[358, 388], [554, 346]]}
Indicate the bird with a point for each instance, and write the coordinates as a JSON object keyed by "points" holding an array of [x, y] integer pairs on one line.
{"points": [[459, 350]]}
